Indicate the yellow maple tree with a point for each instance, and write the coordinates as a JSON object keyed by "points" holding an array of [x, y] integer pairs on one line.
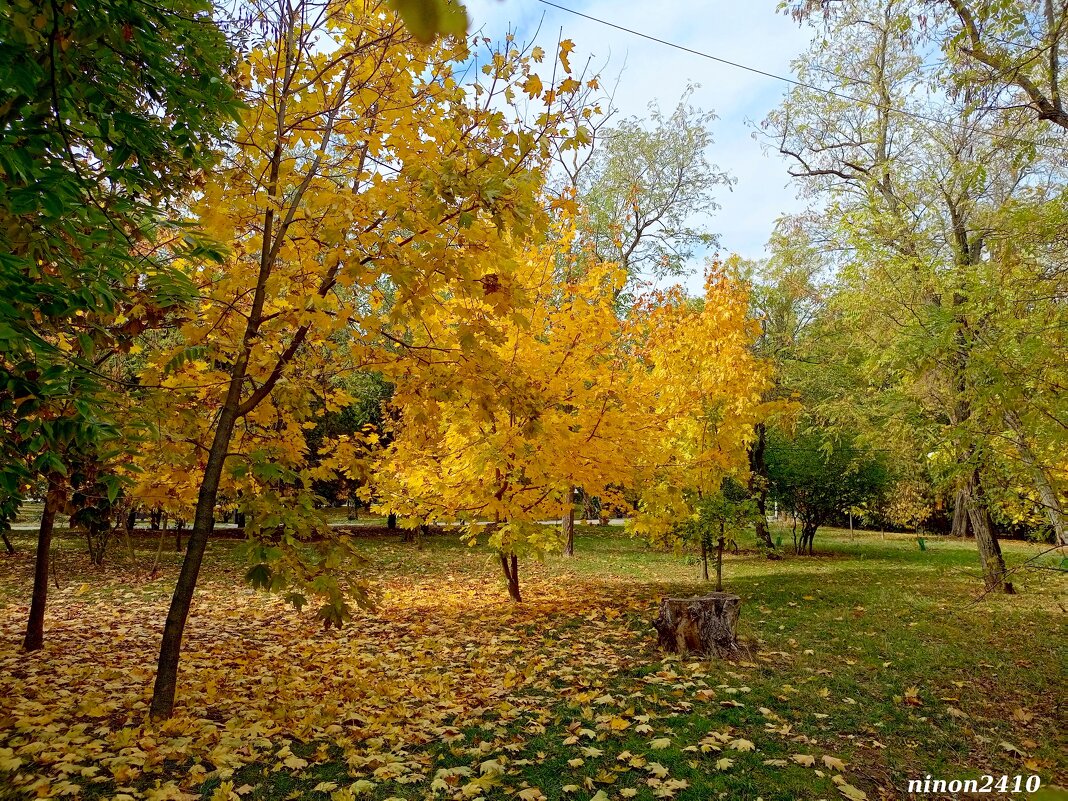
{"points": [[496, 438], [365, 180], [702, 384]]}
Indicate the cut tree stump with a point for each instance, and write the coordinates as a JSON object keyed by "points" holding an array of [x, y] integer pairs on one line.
{"points": [[702, 625]]}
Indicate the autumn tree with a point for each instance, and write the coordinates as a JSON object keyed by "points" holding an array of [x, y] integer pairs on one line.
{"points": [[1012, 46], [917, 193], [645, 189], [503, 438], [362, 159], [1010, 52], [701, 384]]}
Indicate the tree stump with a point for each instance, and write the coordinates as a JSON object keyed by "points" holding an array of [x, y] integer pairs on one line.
{"points": [[702, 625]]}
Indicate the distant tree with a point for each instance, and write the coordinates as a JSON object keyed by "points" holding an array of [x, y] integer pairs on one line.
{"points": [[9, 507], [369, 392], [647, 187], [817, 478]]}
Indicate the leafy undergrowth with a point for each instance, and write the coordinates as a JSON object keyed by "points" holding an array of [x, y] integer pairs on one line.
{"points": [[870, 665]]}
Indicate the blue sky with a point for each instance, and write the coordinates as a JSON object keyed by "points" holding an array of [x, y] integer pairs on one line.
{"points": [[747, 31]]}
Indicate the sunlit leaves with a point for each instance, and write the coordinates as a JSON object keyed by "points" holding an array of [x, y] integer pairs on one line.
{"points": [[705, 387], [344, 229]]}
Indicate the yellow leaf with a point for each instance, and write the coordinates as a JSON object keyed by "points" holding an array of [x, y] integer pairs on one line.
{"points": [[532, 86], [851, 792], [566, 46], [658, 770]]}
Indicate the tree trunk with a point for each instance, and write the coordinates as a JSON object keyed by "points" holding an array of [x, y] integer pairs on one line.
{"points": [[203, 522], [758, 485], [131, 519], [97, 539], [1050, 502], [808, 534], [719, 561], [702, 625], [34, 639], [704, 559], [994, 573], [391, 521], [569, 524], [510, 566], [154, 570], [127, 527], [7, 543], [960, 515], [179, 525]]}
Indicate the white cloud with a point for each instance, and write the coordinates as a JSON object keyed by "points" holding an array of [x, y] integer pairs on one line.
{"points": [[751, 33]]}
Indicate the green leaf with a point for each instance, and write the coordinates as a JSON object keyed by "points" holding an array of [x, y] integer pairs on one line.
{"points": [[259, 576]]}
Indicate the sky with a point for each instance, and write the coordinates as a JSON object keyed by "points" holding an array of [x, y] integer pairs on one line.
{"points": [[750, 32]]}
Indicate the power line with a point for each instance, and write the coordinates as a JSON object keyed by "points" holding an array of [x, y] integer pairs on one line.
{"points": [[794, 81]]}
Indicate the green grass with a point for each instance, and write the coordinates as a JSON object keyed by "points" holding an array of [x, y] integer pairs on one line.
{"points": [[885, 656]]}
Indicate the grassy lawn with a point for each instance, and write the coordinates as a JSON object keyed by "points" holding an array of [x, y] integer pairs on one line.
{"points": [[873, 662]]}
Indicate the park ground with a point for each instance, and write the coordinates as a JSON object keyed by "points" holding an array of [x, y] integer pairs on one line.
{"points": [[871, 663]]}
